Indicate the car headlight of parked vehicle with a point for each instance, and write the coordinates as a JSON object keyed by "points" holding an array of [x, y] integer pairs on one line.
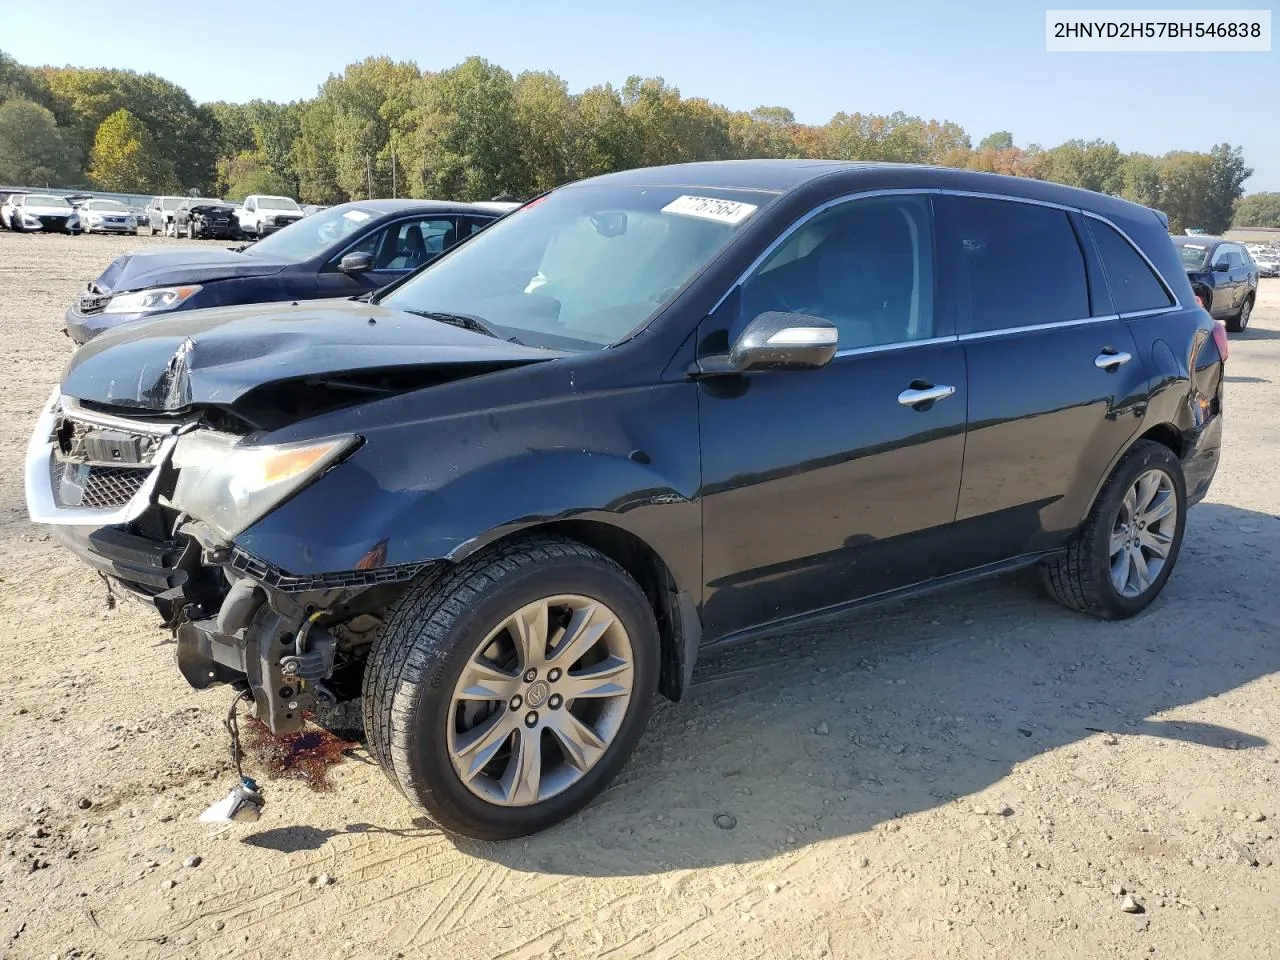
{"points": [[230, 485], [151, 301]]}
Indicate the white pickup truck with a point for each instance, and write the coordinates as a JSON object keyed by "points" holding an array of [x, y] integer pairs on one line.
{"points": [[262, 215]]}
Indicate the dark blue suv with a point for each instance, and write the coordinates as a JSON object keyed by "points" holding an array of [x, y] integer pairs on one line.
{"points": [[516, 495], [1223, 276]]}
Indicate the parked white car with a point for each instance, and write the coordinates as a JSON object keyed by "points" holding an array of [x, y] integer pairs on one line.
{"points": [[160, 214], [38, 211], [262, 215], [107, 216], [1268, 261]]}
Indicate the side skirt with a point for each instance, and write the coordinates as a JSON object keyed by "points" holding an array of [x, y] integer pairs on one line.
{"points": [[889, 596]]}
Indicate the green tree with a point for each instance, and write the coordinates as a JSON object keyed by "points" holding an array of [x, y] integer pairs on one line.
{"points": [[1258, 210], [546, 119], [125, 158], [465, 138], [1141, 179], [1095, 165], [605, 138], [1227, 175], [246, 174], [32, 149], [185, 135], [314, 154], [1000, 140], [1186, 180]]}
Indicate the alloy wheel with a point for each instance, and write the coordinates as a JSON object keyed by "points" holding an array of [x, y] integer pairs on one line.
{"points": [[1143, 534], [540, 700]]}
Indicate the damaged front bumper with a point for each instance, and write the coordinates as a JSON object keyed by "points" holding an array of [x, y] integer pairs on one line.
{"points": [[102, 482]]}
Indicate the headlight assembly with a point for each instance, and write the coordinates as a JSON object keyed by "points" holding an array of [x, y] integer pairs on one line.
{"points": [[230, 484], [150, 301]]}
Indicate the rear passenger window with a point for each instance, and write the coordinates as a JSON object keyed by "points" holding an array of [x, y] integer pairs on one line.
{"points": [[1010, 264], [866, 265], [1134, 285]]}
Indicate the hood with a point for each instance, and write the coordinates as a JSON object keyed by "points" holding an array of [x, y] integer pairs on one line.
{"points": [[213, 208], [158, 267], [216, 357], [41, 210]]}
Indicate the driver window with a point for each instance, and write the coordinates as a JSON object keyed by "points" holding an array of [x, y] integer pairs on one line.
{"points": [[407, 244], [865, 265]]}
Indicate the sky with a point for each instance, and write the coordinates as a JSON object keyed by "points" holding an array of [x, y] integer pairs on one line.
{"points": [[985, 68]]}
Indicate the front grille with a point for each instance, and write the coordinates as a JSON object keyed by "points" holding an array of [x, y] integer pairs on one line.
{"points": [[112, 486], [82, 485]]}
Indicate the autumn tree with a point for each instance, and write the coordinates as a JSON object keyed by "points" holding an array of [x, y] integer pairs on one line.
{"points": [[1258, 210], [1227, 174], [33, 151], [125, 158]]}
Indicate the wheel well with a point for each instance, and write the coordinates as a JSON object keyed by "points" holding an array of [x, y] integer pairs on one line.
{"points": [[655, 579], [1168, 435]]}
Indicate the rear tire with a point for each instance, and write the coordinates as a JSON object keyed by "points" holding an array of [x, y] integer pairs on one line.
{"points": [[1113, 569], [1240, 321], [419, 726]]}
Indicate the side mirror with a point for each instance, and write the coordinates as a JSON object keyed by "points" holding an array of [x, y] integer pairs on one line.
{"points": [[356, 263], [784, 341], [1221, 267]]}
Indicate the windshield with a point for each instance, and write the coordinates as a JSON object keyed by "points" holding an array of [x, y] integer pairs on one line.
{"points": [[40, 200], [276, 203], [1193, 255], [311, 236], [170, 203], [585, 267], [111, 205]]}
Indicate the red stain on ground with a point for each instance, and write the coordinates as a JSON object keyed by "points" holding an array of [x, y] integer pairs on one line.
{"points": [[306, 755]]}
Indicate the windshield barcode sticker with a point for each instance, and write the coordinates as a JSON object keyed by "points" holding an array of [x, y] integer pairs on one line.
{"points": [[709, 208]]}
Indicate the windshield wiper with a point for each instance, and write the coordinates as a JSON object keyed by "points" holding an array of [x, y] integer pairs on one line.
{"points": [[466, 321]]}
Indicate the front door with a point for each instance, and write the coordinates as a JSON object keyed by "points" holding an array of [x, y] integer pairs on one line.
{"points": [[1056, 382], [823, 486], [396, 249]]}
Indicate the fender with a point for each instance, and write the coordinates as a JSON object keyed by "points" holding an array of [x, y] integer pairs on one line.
{"points": [[438, 490]]}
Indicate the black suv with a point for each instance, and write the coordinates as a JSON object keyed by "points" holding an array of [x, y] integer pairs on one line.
{"points": [[205, 219], [513, 495], [1223, 277]]}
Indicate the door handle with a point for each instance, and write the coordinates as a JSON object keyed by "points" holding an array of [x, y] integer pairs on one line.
{"points": [[913, 397], [1110, 360]]}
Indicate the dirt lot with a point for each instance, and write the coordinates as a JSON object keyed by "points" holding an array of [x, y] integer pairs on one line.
{"points": [[976, 775]]}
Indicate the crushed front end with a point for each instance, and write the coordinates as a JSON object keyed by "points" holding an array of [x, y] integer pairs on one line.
{"points": [[111, 485]]}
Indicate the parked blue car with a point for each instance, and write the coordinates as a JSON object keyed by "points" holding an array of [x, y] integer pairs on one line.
{"points": [[346, 250]]}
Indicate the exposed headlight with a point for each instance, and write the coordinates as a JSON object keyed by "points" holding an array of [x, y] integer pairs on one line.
{"points": [[230, 484], [150, 301]]}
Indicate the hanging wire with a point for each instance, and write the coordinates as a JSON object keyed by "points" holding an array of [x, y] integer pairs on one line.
{"points": [[232, 724]]}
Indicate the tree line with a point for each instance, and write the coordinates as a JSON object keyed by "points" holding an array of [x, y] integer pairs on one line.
{"points": [[474, 131]]}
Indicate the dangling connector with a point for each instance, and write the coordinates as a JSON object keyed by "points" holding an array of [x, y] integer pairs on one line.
{"points": [[244, 803]]}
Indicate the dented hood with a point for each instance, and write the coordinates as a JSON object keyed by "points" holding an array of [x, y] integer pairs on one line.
{"points": [[214, 357], [143, 269]]}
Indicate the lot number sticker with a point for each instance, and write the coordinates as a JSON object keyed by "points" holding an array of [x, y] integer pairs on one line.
{"points": [[709, 208]]}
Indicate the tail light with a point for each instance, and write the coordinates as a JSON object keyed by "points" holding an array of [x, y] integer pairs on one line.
{"points": [[1220, 338]]}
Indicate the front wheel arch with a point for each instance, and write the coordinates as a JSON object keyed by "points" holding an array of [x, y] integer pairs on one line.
{"points": [[676, 610]]}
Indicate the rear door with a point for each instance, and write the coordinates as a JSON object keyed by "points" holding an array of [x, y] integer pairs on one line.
{"points": [[1055, 381], [824, 486]]}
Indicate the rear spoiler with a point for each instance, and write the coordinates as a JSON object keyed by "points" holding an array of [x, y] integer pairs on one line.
{"points": [[1162, 217]]}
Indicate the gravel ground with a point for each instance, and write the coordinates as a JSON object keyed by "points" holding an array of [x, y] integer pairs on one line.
{"points": [[978, 774]]}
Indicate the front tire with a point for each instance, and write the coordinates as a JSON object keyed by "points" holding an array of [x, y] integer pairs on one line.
{"points": [[1240, 321], [503, 695], [1128, 545], [191, 230]]}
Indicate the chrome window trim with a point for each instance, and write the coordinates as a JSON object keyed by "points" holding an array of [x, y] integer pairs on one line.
{"points": [[1033, 327], [1177, 304], [977, 335], [898, 345]]}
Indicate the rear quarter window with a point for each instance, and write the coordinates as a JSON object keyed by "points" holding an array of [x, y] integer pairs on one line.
{"points": [[1134, 285]]}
